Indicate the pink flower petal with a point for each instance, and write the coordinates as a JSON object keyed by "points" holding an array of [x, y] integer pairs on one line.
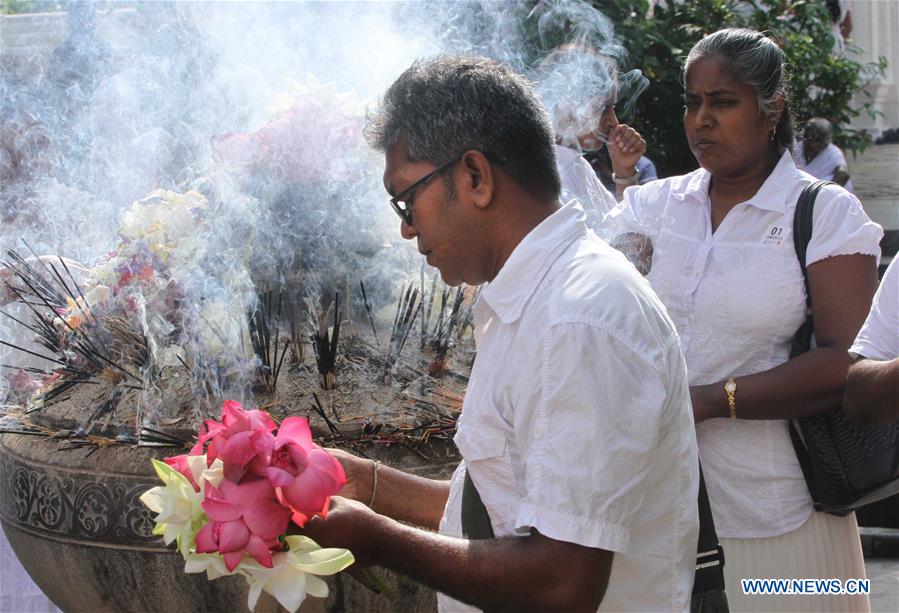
{"points": [[298, 456], [233, 536], [206, 542], [278, 477], [267, 519], [296, 430], [233, 415], [238, 449], [263, 443], [299, 519], [220, 511], [260, 551], [311, 489], [232, 559], [260, 420]]}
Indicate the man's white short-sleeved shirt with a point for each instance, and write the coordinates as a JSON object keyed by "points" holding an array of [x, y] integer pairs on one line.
{"points": [[879, 337], [579, 182], [577, 418], [737, 298]]}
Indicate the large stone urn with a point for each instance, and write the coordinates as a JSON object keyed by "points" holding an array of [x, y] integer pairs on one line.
{"points": [[73, 517]]}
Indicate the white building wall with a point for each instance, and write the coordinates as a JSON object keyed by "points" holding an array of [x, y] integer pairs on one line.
{"points": [[876, 32]]}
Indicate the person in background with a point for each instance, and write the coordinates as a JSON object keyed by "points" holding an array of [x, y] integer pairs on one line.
{"points": [[579, 86], [600, 161], [723, 263], [872, 386], [818, 156], [576, 431], [841, 23]]}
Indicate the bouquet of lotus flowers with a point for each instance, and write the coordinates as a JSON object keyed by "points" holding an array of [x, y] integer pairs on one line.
{"points": [[228, 504]]}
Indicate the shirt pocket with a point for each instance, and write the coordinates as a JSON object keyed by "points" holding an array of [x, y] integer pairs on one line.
{"points": [[487, 454]]}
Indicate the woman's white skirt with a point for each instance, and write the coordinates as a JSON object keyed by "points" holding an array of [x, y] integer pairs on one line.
{"points": [[824, 547]]}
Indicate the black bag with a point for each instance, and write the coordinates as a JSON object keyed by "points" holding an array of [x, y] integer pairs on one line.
{"points": [[846, 466]]}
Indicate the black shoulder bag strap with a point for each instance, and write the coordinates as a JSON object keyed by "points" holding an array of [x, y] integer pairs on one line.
{"points": [[802, 235], [709, 595]]}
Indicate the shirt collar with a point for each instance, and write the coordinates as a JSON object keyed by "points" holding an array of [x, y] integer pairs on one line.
{"points": [[519, 277], [771, 196]]}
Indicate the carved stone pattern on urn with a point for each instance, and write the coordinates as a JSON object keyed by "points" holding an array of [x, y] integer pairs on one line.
{"points": [[76, 504]]}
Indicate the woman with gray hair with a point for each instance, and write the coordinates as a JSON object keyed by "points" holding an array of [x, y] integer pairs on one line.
{"points": [[724, 264]]}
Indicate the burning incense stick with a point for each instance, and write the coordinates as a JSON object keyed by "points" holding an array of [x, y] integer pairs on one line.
{"points": [[368, 310]]}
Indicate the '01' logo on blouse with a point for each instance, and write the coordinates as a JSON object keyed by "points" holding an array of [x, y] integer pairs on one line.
{"points": [[774, 236]]}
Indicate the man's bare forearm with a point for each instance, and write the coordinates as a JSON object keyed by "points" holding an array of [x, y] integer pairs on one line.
{"points": [[409, 498], [532, 573], [872, 391]]}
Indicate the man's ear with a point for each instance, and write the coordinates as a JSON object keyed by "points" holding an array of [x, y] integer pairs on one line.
{"points": [[479, 182]]}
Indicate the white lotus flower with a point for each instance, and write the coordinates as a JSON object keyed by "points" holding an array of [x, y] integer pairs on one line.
{"points": [[293, 573], [180, 514]]}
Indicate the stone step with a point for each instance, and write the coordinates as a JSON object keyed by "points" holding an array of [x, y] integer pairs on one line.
{"points": [[880, 542]]}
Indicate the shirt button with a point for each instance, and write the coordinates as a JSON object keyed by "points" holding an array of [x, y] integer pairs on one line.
{"points": [[539, 431]]}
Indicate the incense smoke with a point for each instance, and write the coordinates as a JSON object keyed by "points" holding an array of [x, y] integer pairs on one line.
{"points": [[249, 116]]}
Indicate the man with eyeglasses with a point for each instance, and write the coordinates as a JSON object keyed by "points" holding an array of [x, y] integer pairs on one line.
{"points": [[576, 429]]}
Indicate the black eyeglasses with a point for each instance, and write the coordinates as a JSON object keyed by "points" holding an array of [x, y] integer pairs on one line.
{"points": [[402, 202]]}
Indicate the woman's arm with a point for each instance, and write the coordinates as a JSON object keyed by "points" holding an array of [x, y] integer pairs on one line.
{"points": [[841, 289]]}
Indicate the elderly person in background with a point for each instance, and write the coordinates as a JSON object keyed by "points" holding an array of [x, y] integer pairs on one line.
{"points": [[872, 386], [818, 156], [723, 263], [579, 481]]}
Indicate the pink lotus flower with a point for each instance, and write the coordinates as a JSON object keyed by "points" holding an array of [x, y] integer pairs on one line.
{"points": [[243, 440], [243, 518], [305, 475]]}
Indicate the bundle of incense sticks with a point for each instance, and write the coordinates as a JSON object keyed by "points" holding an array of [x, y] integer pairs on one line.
{"points": [[446, 329], [265, 335], [96, 348], [324, 343], [406, 311]]}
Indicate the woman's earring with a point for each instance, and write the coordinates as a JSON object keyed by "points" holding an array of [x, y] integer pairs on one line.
{"points": [[773, 133]]}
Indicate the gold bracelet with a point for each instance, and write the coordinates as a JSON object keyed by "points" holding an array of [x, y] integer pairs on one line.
{"points": [[374, 481], [731, 388]]}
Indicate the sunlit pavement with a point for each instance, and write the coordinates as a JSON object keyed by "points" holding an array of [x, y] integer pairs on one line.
{"points": [[876, 181], [884, 576]]}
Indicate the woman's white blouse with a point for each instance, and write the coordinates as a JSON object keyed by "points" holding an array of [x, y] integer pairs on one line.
{"points": [[737, 298]]}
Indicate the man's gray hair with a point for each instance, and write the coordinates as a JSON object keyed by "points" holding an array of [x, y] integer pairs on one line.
{"points": [[821, 126], [446, 106], [752, 58]]}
